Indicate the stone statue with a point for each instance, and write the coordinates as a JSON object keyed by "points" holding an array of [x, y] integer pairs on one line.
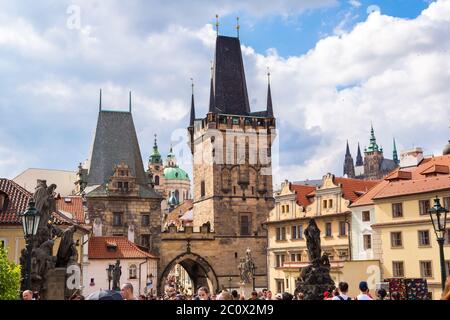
{"points": [[44, 198], [42, 262], [247, 268], [315, 278], [312, 235], [117, 272], [66, 247]]}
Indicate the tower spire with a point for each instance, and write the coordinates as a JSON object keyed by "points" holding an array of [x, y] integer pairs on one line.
{"points": [[211, 93], [349, 167], [394, 154], [373, 141], [269, 96], [129, 103], [217, 24], [100, 102], [192, 119], [237, 26], [359, 160]]}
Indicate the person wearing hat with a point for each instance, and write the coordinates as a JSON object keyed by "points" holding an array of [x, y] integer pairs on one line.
{"points": [[364, 288]]}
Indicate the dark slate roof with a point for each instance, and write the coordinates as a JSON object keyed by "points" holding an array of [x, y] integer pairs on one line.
{"points": [[115, 141], [388, 165], [144, 192], [230, 88]]}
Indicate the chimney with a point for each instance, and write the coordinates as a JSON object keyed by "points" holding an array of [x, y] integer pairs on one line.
{"points": [[411, 158]]}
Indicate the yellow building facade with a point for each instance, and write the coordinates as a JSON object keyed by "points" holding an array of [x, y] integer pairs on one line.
{"points": [[328, 203], [405, 238]]}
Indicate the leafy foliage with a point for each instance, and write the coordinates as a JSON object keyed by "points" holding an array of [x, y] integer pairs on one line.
{"points": [[9, 277]]}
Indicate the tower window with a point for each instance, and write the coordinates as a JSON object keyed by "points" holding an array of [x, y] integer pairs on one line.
{"points": [[245, 225], [234, 189], [202, 188], [156, 180]]}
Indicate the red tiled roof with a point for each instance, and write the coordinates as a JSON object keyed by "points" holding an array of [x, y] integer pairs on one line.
{"points": [[417, 183], [18, 199], [73, 205], [353, 188], [399, 175], [125, 249], [302, 192], [407, 187]]}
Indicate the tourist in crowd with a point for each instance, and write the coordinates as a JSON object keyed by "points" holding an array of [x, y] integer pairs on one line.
{"points": [[364, 288], [395, 295], [381, 294], [264, 294], [300, 296], [203, 293], [278, 296], [225, 295], [254, 296], [287, 296], [343, 289], [127, 292], [142, 297], [446, 292], [27, 295], [327, 295], [235, 295], [269, 295]]}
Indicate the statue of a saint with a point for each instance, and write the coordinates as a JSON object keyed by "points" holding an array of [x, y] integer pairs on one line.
{"points": [[247, 267], [117, 272], [66, 247], [312, 234]]}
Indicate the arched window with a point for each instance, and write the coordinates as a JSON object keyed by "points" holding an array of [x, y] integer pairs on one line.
{"points": [[132, 271], [156, 180], [177, 196]]}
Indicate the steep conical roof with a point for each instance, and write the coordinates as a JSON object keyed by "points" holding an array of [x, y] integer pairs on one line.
{"points": [[115, 141], [229, 89]]}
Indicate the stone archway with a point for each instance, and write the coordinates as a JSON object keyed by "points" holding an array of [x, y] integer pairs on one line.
{"points": [[199, 270]]}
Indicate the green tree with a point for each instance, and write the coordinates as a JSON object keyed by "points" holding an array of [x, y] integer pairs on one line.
{"points": [[9, 278]]}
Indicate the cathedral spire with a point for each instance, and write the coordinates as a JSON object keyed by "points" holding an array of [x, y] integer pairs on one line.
{"points": [[394, 154], [192, 119], [373, 141], [349, 167], [359, 160], [155, 157], [269, 96]]}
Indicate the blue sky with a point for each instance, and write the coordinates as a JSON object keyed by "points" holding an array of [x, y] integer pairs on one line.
{"points": [[336, 66]]}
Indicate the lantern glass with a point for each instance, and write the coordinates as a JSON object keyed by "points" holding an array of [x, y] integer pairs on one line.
{"points": [[30, 220], [438, 215]]}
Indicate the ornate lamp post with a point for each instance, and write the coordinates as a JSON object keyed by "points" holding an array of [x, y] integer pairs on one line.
{"points": [[30, 223], [438, 215], [109, 273]]}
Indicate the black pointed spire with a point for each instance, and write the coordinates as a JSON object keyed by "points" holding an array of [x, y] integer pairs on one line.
{"points": [[192, 119], [349, 168], [269, 96], [129, 103], [359, 160], [100, 102], [229, 85], [212, 104], [347, 152]]}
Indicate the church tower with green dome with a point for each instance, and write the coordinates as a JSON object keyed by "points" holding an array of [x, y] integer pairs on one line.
{"points": [[168, 178]]}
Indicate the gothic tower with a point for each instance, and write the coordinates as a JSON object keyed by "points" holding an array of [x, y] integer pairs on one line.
{"points": [[349, 168], [373, 158], [232, 169]]}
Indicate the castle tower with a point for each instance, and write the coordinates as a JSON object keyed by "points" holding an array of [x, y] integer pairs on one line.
{"points": [[232, 160], [349, 168], [373, 158]]}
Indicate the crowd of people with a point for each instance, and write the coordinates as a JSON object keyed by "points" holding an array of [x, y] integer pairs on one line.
{"points": [[203, 293]]}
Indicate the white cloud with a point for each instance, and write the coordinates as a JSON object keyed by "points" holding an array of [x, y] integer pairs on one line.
{"points": [[355, 3], [394, 72]]}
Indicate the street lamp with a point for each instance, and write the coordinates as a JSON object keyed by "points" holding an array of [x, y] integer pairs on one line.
{"points": [[438, 215], [30, 223], [109, 272]]}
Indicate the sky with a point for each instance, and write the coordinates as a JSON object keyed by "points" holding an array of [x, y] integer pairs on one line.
{"points": [[336, 67]]}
